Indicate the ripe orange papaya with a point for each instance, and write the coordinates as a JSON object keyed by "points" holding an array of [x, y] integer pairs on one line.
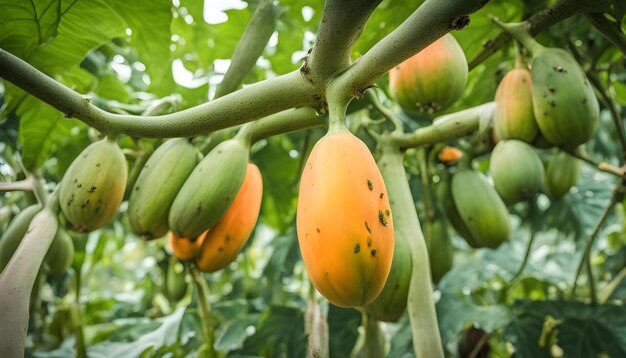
{"points": [[516, 169], [563, 173], [184, 248], [93, 187], [514, 117], [225, 240], [433, 79], [344, 222], [449, 155]]}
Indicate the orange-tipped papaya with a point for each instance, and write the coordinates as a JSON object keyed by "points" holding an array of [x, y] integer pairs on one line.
{"points": [[514, 117], [564, 102], [433, 79], [516, 169], [210, 189], [184, 248], [225, 240], [563, 173], [481, 216], [449, 155], [156, 187], [93, 187], [344, 222]]}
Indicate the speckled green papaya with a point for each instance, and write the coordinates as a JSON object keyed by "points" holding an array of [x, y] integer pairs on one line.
{"points": [[210, 189], [160, 180], [439, 244], [480, 209], [60, 254], [565, 106], [514, 117], [562, 174], [15, 233], [93, 186], [516, 169]]}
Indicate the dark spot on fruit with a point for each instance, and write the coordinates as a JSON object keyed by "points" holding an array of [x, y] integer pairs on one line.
{"points": [[357, 248], [97, 165], [227, 238], [381, 217], [368, 227], [318, 230], [219, 151], [220, 249], [551, 89], [369, 242], [585, 100], [75, 180], [559, 68], [370, 185], [553, 103], [79, 185], [396, 286], [387, 212], [92, 189], [382, 195], [373, 252], [227, 198], [198, 209]]}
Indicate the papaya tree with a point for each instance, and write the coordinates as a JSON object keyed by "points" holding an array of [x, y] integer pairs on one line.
{"points": [[334, 178]]}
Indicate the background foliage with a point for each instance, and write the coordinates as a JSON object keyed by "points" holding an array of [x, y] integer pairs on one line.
{"points": [[127, 59]]}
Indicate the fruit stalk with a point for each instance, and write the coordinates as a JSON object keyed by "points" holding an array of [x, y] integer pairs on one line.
{"points": [[421, 307], [202, 293], [18, 278]]}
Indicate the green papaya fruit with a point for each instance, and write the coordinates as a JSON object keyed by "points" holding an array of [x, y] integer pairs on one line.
{"points": [[457, 222], [210, 189], [516, 169], [563, 173], [93, 187], [514, 117], [433, 79], [390, 304], [439, 244], [159, 181], [483, 214], [564, 102], [60, 254], [175, 284], [15, 233]]}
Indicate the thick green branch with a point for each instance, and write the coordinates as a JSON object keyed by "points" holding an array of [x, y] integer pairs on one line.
{"points": [[250, 47], [447, 127], [342, 24], [538, 23], [287, 121], [256, 101], [433, 19]]}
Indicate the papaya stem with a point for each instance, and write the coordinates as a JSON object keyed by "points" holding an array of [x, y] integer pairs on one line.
{"points": [[425, 177], [18, 277], [374, 345], [421, 307], [285, 122], [601, 166], [520, 31], [586, 257], [20, 185], [520, 61], [250, 46], [316, 328], [447, 127], [202, 293], [81, 350], [386, 113]]}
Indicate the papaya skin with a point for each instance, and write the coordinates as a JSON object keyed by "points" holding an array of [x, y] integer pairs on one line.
{"points": [[564, 102], [225, 240], [516, 169], [156, 187], [60, 254], [175, 284], [433, 79], [15, 233], [514, 117], [93, 187], [185, 249], [344, 222], [562, 174], [440, 249]]}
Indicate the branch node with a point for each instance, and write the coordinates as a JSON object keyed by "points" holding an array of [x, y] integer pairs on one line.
{"points": [[459, 22]]}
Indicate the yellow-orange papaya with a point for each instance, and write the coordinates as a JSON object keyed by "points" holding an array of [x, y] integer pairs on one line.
{"points": [[184, 248], [514, 117], [344, 221], [225, 240]]}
